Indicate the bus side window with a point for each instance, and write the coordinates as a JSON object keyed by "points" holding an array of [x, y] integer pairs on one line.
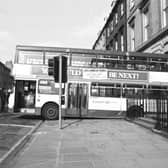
{"points": [[94, 91], [102, 91], [109, 92], [116, 92]]}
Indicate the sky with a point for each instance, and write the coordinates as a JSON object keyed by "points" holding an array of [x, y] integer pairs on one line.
{"points": [[55, 23]]}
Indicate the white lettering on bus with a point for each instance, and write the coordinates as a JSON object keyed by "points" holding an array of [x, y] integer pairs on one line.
{"points": [[112, 74], [128, 75], [76, 72], [123, 75]]}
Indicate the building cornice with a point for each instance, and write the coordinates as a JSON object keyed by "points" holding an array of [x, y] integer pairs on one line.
{"points": [[159, 35]]}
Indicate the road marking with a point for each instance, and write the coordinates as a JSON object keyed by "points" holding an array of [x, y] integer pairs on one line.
{"points": [[58, 149], [17, 125], [19, 144]]}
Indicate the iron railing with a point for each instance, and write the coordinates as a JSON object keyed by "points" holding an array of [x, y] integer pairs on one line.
{"points": [[155, 107]]}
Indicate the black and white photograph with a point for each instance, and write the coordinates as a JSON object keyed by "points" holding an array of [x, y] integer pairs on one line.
{"points": [[84, 84]]}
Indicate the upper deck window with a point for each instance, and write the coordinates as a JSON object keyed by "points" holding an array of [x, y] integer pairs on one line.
{"points": [[50, 55], [83, 60], [30, 57]]}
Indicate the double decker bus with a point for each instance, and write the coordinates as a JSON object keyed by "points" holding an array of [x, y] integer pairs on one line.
{"points": [[100, 83]]}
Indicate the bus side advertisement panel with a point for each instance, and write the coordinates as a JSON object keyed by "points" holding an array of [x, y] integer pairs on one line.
{"points": [[158, 77], [109, 104]]}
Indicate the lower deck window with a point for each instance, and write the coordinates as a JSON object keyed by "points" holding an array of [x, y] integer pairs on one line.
{"points": [[49, 87], [133, 90], [157, 91], [105, 90], [128, 90]]}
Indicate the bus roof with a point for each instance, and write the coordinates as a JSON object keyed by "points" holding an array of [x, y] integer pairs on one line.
{"points": [[87, 51]]}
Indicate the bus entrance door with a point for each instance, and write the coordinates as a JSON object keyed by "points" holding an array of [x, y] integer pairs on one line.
{"points": [[24, 95], [77, 100]]}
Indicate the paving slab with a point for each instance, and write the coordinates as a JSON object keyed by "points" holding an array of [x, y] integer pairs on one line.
{"points": [[94, 144]]}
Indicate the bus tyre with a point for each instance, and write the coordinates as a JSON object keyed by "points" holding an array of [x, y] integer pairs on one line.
{"points": [[50, 111]]}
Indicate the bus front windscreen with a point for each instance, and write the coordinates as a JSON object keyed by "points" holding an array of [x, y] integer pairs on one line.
{"points": [[49, 87]]}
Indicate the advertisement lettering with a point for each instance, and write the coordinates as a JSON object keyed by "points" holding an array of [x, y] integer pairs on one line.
{"points": [[127, 75]]}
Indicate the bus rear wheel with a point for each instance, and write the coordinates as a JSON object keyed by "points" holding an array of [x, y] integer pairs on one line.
{"points": [[50, 111]]}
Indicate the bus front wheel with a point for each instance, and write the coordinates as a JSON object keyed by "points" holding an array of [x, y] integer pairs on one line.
{"points": [[50, 111]]}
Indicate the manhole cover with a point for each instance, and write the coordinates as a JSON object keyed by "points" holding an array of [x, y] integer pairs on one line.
{"points": [[94, 132]]}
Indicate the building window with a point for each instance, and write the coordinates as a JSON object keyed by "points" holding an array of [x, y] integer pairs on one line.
{"points": [[122, 9], [104, 34], [145, 23], [108, 30], [164, 13], [116, 43], [132, 3], [110, 46], [116, 18], [111, 26], [132, 35], [122, 41]]}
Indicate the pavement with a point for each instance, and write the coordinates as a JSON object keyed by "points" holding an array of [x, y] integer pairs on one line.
{"points": [[15, 131], [93, 144]]}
